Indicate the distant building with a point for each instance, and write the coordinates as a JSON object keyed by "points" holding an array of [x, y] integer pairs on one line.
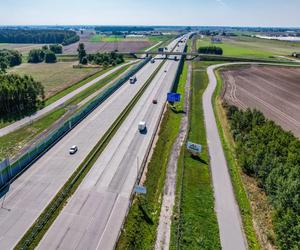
{"points": [[215, 39], [296, 54]]}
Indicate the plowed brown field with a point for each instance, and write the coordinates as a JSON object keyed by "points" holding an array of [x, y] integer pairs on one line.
{"points": [[273, 90]]}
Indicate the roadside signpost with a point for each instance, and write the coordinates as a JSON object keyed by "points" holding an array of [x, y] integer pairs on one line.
{"points": [[194, 148], [140, 189], [173, 97]]}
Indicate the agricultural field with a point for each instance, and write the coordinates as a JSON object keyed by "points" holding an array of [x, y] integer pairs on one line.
{"points": [[21, 47], [253, 47], [54, 77], [273, 90], [93, 47], [100, 43]]}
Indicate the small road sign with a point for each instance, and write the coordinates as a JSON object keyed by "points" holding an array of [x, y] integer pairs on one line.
{"points": [[193, 147], [140, 189]]}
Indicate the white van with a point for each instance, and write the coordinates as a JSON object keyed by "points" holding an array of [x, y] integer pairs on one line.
{"points": [[142, 126]]}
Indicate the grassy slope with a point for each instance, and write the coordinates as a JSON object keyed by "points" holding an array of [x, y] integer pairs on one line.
{"points": [[11, 143], [195, 224], [145, 211], [235, 171]]}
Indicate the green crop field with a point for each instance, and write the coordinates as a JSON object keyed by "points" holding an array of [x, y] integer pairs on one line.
{"points": [[54, 77], [111, 39], [253, 47]]}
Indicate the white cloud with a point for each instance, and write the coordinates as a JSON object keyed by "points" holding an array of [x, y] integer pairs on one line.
{"points": [[221, 2]]}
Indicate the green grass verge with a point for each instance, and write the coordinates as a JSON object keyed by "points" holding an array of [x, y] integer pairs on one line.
{"points": [[96, 86], [36, 232], [239, 190], [76, 86], [145, 210], [194, 220], [11, 143]]}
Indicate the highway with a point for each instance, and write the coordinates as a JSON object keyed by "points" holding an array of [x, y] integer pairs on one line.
{"points": [[93, 217], [29, 194], [39, 114]]}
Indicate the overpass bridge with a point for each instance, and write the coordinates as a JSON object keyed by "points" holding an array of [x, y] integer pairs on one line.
{"points": [[164, 53]]}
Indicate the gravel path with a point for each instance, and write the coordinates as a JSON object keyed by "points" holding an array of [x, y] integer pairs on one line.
{"points": [[165, 220]]}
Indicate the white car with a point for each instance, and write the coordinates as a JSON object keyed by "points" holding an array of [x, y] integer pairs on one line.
{"points": [[73, 149], [132, 79]]}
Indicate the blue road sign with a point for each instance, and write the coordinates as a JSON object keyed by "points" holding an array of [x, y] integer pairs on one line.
{"points": [[140, 189], [193, 147], [173, 97]]}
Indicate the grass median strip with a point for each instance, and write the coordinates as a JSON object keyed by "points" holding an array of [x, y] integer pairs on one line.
{"points": [[36, 232], [194, 223], [239, 190]]}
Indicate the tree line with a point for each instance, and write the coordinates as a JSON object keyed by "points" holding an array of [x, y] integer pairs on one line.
{"points": [[45, 54], [63, 37], [272, 156], [19, 95], [105, 59], [9, 58], [210, 50]]}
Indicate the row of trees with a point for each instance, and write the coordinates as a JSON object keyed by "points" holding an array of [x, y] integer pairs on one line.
{"points": [[63, 37], [9, 58], [105, 59], [271, 155], [211, 50], [19, 95], [41, 55]]}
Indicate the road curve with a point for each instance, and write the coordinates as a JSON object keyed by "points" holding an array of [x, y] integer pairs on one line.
{"points": [[27, 120], [228, 214]]}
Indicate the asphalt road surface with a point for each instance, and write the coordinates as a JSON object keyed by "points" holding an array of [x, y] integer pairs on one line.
{"points": [[93, 217], [27, 120], [28, 195], [228, 214]]}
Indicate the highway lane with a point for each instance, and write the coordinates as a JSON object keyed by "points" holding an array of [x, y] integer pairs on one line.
{"points": [[27, 120], [94, 215], [31, 192]]}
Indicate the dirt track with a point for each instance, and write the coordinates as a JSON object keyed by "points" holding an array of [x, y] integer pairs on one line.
{"points": [[273, 90]]}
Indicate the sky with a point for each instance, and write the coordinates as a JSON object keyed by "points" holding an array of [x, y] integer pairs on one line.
{"points": [[282, 13]]}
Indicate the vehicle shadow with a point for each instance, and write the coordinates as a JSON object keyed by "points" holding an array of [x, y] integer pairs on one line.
{"points": [[144, 132], [198, 158], [3, 192]]}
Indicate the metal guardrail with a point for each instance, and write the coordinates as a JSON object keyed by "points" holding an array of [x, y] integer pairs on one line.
{"points": [[13, 170]]}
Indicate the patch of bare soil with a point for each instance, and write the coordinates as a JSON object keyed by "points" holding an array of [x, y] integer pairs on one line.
{"points": [[273, 90]]}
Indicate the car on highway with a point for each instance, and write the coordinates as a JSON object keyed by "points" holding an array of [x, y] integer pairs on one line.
{"points": [[142, 126], [132, 79], [73, 149], [165, 70], [152, 60], [154, 101]]}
